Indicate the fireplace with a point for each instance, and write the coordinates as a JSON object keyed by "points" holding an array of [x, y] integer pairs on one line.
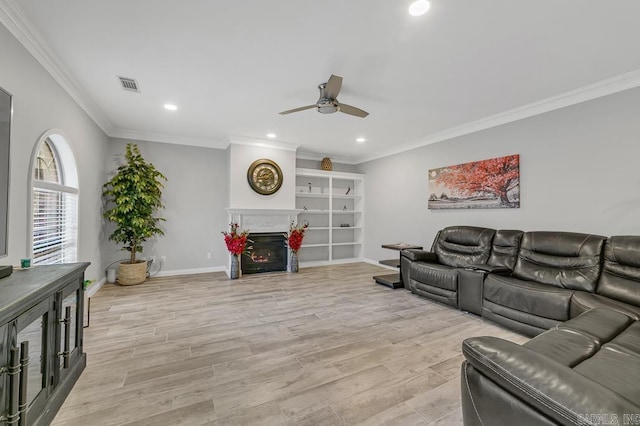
{"points": [[268, 253], [267, 228]]}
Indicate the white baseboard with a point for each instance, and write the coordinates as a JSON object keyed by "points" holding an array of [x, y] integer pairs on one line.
{"points": [[193, 271], [377, 263], [93, 288], [96, 286]]}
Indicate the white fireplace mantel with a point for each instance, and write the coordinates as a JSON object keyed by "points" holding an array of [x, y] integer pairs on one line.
{"points": [[263, 220]]}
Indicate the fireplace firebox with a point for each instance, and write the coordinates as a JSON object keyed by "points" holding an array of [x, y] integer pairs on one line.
{"points": [[268, 253]]}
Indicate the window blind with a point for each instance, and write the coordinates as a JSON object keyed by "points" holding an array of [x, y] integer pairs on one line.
{"points": [[55, 226]]}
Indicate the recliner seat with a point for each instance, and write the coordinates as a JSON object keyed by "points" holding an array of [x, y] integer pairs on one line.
{"points": [[435, 276], [551, 267], [619, 284]]}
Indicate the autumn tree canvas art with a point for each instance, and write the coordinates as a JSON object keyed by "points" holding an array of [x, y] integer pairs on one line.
{"points": [[487, 184]]}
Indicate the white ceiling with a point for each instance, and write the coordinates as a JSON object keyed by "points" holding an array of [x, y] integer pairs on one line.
{"points": [[231, 66]]}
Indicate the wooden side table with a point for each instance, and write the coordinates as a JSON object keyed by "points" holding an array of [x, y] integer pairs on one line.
{"points": [[394, 280]]}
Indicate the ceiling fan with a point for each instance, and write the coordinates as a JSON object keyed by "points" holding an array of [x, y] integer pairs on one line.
{"points": [[328, 101]]}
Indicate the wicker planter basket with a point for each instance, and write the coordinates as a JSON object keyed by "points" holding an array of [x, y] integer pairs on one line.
{"points": [[132, 274], [326, 164]]}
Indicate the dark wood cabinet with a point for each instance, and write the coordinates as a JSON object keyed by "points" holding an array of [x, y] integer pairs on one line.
{"points": [[41, 354]]}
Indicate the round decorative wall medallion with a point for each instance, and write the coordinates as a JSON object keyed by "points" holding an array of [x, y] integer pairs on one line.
{"points": [[264, 176]]}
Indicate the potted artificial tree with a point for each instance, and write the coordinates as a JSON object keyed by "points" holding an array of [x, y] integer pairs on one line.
{"points": [[133, 196]]}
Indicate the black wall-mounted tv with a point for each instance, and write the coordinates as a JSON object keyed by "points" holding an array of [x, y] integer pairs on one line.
{"points": [[5, 136]]}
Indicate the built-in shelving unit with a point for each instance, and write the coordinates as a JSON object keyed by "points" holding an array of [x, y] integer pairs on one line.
{"points": [[332, 204]]}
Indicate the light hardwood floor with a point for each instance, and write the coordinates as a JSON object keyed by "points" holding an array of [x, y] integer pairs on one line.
{"points": [[326, 346]]}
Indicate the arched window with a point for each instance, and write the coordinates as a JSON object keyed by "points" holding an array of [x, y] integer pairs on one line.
{"points": [[54, 202]]}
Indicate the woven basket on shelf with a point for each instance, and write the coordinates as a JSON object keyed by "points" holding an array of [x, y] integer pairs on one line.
{"points": [[326, 164], [132, 274]]}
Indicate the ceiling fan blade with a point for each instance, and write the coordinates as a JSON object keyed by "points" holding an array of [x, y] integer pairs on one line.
{"points": [[351, 110], [333, 86], [298, 109]]}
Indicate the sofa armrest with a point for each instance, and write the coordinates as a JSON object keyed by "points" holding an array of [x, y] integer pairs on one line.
{"points": [[416, 255], [489, 268], [552, 388]]}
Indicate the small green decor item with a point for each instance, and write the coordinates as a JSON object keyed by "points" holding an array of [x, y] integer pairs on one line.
{"points": [[134, 195]]}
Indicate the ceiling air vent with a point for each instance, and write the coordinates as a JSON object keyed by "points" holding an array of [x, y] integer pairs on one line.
{"points": [[129, 84]]}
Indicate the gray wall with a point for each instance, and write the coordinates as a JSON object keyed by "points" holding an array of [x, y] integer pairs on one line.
{"points": [[578, 172], [195, 197], [40, 104]]}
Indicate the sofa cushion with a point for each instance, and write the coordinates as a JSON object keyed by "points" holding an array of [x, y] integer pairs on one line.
{"points": [[574, 341], [629, 340], [566, 348], [583, 301], [460, 246], [614, 369], [435, 274], [519, 321], [537, 299], [448, 297], [561, 259], [504, 248], [620, 278], [600, 325]]}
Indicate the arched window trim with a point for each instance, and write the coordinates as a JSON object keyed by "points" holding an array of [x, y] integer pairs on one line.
{"points": [[68, 176]]}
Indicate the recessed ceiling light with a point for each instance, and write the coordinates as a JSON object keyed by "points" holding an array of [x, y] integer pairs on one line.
{"points": [[271, 135], [170, 107], [361, 140], [419, 7]]}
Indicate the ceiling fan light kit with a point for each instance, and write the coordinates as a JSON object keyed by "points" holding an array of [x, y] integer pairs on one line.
{"points": [[328, 108], [328, 101]]}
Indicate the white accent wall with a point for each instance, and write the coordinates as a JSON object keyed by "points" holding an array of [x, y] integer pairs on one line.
{"points": [[40, 104], [579, 171], [241, 196]]}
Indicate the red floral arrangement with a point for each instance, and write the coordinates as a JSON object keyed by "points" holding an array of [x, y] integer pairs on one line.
{"points": [[295, 236], [236, 242]]}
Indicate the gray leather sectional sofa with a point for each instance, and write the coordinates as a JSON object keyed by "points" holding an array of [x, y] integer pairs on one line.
{"points": [[585, 371], [583, 366]]}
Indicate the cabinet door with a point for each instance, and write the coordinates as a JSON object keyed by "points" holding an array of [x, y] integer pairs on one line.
{"points": [[33, 327], [68, 341]]}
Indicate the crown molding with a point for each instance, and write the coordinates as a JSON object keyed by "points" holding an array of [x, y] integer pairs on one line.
{"points": [[592, 91], [167, 138], [264, 143], [17, 24]]}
